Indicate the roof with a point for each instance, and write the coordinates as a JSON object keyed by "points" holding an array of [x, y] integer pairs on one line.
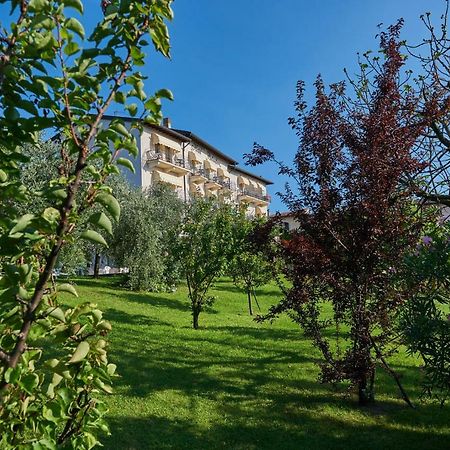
{"points": [[250, 174], [169, 131], [233, 163], [200, 141], [283, 214]]}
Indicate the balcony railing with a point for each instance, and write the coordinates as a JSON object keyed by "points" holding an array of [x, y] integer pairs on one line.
{"points": [[158, 156], [254, 194], [223, 182], [198, 171]]}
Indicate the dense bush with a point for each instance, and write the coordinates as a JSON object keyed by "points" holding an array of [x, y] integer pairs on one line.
{"points": [[143, 237], [425, 319]]}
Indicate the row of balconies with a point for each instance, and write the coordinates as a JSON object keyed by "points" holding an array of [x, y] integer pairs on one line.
{"points": [[200, 175]]}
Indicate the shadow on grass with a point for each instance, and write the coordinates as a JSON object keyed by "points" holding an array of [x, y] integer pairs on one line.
{"points": [[239, 387], [123, 318], [150, 299], [263, 407], [244, 431], [227, 286], [260, 333]]}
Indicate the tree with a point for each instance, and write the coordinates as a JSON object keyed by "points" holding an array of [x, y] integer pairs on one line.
{"points": [[53, 359], [143, 237], [204, 247], [424, 320], [248, 267], [432, 81], [355, 221]]}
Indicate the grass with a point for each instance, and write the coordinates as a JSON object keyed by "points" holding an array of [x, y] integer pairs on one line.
{"points": [[236, 384]]}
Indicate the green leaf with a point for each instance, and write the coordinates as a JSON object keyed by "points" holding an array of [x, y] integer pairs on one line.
{"points": [[43, 40], [101, 220], [57, 378], [57, 313], [97, 314], [119, 97], [60, 194], [51, 215], [22, 223], [76, 4], [104, 325], [94, 237], [80, 353], [71, 48], [165, 93], [12, 375], [111, 368], [67, 287], [126, 163], [110, 203], [132, 109], [99, 383], [74, 25], [25, 273], [120, 128], [38, 5], [29, 382], [3, 176], [11, 114]]}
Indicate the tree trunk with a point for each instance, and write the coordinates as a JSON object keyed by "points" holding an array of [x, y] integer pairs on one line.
{"points": [[195, 314], [250, 309], [96, 265], [366, 393]]}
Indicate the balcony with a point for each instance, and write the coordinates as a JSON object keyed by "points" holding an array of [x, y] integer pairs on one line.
{"points": [[224, 183], [253, 196], [167, 163], [212, 182], [198, 175]]}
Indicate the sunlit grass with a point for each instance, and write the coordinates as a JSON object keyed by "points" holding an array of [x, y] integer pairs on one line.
{"points": [[237, 384]]}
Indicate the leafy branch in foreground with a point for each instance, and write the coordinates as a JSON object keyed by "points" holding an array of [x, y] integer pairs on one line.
{"points": [[53, 79]]}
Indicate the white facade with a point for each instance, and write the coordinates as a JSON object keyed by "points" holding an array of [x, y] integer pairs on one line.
{"points": [[193, 167]]}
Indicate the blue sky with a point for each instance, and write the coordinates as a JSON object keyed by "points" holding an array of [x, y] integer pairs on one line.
{"points": [[235, 63]]}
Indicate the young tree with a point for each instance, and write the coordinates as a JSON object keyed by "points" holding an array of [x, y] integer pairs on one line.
{"points": [[53, 79], [354, 217], [248, 267], [143, 237], [204, 248]]}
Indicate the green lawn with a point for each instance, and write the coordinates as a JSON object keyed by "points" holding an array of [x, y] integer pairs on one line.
{"points": [[236, 384]]}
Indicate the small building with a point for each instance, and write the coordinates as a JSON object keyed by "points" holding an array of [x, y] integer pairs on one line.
{"points": [[287, 220]]}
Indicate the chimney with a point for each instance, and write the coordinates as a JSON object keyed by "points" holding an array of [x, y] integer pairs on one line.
{"points": [[166, 122]]}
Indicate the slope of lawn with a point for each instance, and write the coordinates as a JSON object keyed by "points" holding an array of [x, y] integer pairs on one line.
{"points": [[236, 384]]}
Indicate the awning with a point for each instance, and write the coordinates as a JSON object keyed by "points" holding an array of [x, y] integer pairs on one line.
{"points": [[209, 165], [241, 180], [192, 156], [161, 140], [261, 210], [161, 177], [222, 173]]}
